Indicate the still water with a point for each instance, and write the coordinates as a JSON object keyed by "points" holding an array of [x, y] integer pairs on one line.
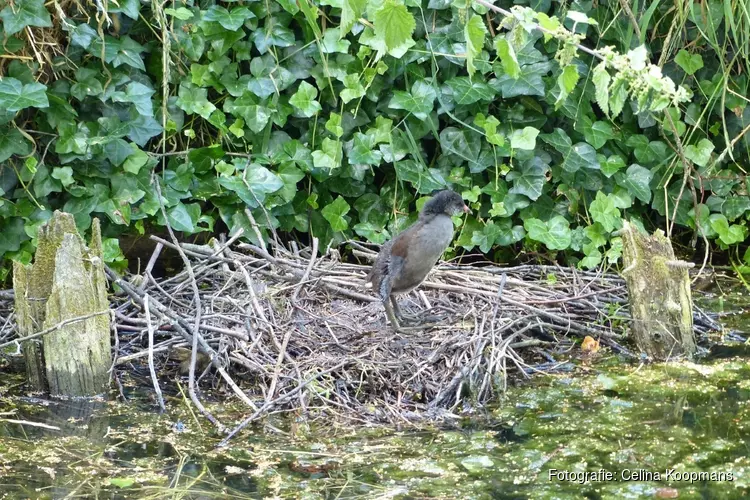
{"points": [[604, 429]]}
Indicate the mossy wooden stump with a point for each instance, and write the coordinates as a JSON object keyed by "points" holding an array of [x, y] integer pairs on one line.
{"points": [[661, 305], [64, 295]]}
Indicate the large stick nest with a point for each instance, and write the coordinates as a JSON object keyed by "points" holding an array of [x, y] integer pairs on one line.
{"points": [[297, 331]]}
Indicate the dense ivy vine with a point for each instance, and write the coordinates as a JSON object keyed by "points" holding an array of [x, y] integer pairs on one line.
{"points": [[327, 117]]}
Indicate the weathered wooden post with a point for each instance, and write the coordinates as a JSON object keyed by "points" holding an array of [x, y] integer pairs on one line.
{"points": [[61, 300], [661, 306]]}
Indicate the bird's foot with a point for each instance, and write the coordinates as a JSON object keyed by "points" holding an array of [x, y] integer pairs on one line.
{"points": [[418, 327], [433, 318], [416, 321], [423, 317], [410, 318]]}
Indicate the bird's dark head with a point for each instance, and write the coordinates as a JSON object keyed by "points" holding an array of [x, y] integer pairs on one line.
{"points": [[445, 202]]}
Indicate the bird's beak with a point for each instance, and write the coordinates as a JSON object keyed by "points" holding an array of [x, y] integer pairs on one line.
{"points": [[466, 209]]}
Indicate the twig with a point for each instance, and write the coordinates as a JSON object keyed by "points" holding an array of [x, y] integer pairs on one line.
{"points": [[53, 328], [151, 368]]}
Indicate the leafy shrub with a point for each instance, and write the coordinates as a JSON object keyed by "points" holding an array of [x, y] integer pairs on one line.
{"points": [[330, 118]]}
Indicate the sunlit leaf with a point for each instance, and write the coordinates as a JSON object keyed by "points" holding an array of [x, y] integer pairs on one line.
{"points": [[474, 33], [394, 24]]}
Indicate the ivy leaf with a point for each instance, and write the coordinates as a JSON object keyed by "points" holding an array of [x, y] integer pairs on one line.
{"points": [[333, 43], [135, 161], [729, 235], [700, 153], [295, 152], [647, 151], [372, 209], [485, 239], [381, 131], [351, 11], [394, 24], [354, 88], [275, 36], [117, 151], [126, 188], [736, 206], [601, 80], [507, 57], [15, 96], [555, 233], [474, 33], [419, 101], [255, 116], [524, 139], [128, 52], [604, 211], [24, 13], [82, 35], [465, 144], [194, 100], [373, 233], [528, 179], [598, 133], [622, 198], [333, 125], [12, 142], [424, 180], [467, 92], [612, 165], [559, 140], [637, 180], [180, 13], [237, 128], [142, 129], [489, 124], [592, 259], [363, 151], [528, 82], [334, 213], [290, 175], [329, 154], [580, 156], [689, 63], [509, 234], [231, 20], [64, 175], [130, 8], [304, 100], [596, 234], [140, 96], [253, 185], [181, 218], [261, 182]]}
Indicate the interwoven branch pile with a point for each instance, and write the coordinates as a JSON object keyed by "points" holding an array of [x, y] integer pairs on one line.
{"points": [[295, 331]]}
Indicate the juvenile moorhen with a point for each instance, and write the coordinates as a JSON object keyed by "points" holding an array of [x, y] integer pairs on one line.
{"points": [[404, 262]]}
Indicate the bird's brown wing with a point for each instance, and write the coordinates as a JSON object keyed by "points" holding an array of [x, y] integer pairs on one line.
{"points": [[378, 274], [396, 261], [389, 263]]}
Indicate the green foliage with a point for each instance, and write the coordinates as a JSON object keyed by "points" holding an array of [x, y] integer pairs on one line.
{"points": [[23, 13], [337, 117]]}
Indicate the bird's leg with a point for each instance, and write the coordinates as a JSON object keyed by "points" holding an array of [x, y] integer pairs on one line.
{"points": [[399, 313], [389, 311], [391, 317]]}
